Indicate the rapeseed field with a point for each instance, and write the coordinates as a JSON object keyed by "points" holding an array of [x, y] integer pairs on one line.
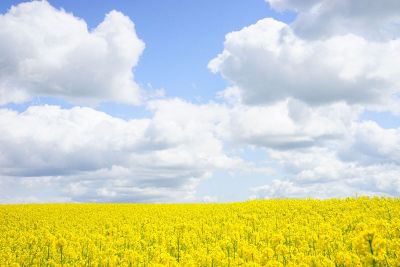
{"points": [[336, 232]]}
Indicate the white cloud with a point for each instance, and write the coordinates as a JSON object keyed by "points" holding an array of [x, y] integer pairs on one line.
{"points": [[289, 189], [320, 172], [48, 52], [322, 18], [85, 155], [297, 90], [369, 144], [288, 124], [305, 146], [268, 62], [81, 154]]}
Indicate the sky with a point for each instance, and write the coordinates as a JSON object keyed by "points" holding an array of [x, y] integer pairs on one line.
{"points": [[198, 101]]}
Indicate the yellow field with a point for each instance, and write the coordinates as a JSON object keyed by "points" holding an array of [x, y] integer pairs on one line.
{"points": [[349, 232]]}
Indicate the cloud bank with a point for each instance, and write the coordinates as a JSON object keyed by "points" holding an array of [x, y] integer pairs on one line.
{"points": [[336, 60], [81, 154]]}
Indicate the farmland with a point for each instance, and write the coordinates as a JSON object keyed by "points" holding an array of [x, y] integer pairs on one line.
{"points": [[335, 232]]}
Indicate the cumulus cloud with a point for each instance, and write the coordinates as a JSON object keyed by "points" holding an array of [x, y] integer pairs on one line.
{"points": [[369, 144], [322, 18], [287, 125], [323, 172], [310, 150], [82, 154], [49, 52], [318, 172], [269, 62], [298, 90]]}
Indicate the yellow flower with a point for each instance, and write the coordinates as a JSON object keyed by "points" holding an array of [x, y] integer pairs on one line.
{"points": [[335, 232]]}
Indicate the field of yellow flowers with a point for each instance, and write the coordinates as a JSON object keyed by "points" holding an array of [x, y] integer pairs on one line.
{"points": [[347, 232]]}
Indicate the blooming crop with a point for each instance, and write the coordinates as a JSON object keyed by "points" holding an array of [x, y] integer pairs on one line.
{"points": [[347, 232]]}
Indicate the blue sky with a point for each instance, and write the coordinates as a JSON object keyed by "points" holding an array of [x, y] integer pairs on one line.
{"points": [[181, 38], [179, 42], [199, 101]]}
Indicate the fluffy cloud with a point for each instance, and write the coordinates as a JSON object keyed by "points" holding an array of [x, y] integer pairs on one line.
{"points": [[269, 62], [369, 144], [286, 125], [81, 154], [321, 18], [48, 52], [298, 91], [365, 161], [318, 172]]}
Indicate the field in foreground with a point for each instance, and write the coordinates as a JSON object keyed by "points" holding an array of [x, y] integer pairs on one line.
{"points": [[348, 232]]}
